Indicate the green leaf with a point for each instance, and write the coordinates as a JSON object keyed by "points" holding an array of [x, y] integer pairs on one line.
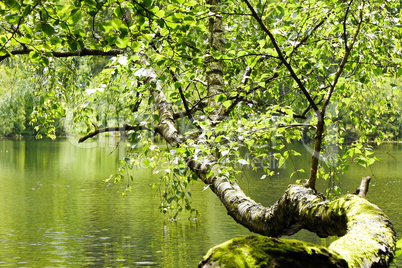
{"points": [[117, 23], [119, 11], [178, 84], [27, 10], [76, 15], [48, 29], [26, 30], [210, 173], [191, 3], [147, 3], [23, 40], [122, 42], [34, 56], [72, 44], [160, 13], [227, 103], [106, 26], [13, 19], [220, 98], [345, 168], [281, 162]]}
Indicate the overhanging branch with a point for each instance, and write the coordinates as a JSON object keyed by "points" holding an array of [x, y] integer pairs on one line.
{"points": [[125, 127], [65, 54]]}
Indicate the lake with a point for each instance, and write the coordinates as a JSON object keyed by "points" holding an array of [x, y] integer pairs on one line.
{"points": [[56, 211]]}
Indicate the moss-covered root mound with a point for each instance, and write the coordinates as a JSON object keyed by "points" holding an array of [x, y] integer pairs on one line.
{"points": [[262, 251]]}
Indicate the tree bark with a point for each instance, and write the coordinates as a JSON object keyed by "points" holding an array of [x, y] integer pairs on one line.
{"points": [[66, 54], [214, 67], [315, 158], [368, 238]]}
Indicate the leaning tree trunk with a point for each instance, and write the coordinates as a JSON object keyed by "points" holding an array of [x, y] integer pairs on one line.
{"points": [[367, 236]]}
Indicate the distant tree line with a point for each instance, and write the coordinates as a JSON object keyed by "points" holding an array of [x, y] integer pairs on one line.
{"points": [[22, 96]]}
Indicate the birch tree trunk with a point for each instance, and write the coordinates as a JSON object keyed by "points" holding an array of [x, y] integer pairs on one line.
{"points": [[367, 236]]}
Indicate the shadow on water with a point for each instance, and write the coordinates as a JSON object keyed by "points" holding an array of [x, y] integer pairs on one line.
{"points": [[56, 212]]}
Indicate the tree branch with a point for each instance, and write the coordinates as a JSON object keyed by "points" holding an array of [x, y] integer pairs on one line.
{"points": [[97, 130], [304, 39], [367, 236], [183, 98], [65, 54], [167, 126], [348, 50], [364, 186], [344, 25], [321, 123], [282, 58]]}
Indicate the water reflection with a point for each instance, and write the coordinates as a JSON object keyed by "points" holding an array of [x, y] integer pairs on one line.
{"points": [[56, 212]]}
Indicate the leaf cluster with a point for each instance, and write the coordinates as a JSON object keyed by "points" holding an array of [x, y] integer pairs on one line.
{"points": [[285, 71]]}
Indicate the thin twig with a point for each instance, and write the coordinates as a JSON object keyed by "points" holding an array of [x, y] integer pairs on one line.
{"points": [[281, 126]]}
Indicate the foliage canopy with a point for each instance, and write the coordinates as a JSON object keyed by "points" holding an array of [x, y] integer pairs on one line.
{"points": [[235, 74], [213, 78]]}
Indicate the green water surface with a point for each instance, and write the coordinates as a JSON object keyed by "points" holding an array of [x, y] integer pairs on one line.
{"points": [[56, 211]]}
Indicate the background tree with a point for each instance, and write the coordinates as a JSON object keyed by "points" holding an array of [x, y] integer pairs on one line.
{"points": [[16, 96], [213, 78]]}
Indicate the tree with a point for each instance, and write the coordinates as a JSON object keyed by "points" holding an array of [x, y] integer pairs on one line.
{"points": [[16, 99], [213, 78]]}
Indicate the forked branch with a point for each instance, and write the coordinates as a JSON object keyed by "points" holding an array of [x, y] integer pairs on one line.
{"points": [[282, 58]]}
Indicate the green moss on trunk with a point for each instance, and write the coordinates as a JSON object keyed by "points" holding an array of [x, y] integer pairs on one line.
{"points": [[370, 239], [367, 238], [262, 251]]}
